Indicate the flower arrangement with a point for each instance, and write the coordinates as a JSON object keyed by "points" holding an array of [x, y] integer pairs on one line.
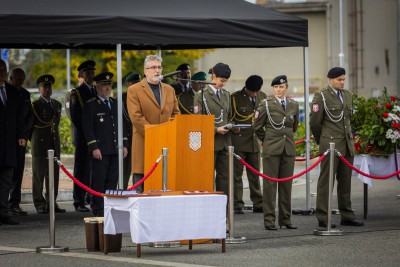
{"points": [[376, 123]]}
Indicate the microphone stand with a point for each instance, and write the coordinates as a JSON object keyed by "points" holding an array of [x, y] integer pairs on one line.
{"points": [[202, 90]]}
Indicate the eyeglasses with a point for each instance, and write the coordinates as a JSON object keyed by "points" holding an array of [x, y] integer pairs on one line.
{"points": [[154, 67]]}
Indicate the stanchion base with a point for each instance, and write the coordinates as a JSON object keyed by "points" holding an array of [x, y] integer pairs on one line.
{"points": [[398, 196], [51, 249], [167, 244], [235, 240], [326, 232]]}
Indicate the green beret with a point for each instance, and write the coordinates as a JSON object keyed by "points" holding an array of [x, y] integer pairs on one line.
{"points": [[199, 76], [281, 79]]}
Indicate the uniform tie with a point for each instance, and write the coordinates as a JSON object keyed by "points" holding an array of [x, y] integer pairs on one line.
{"points": [[107, 104], [219, 94], [253, 100], [283, 104], [3, 95], [93, 91], [339, 94]]}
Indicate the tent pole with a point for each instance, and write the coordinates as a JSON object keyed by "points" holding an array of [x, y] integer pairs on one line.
{"points": [[120, 129], [307, 125]]}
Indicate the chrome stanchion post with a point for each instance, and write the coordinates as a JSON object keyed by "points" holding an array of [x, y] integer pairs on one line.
{"points": [[232, 239], [165, 169], [165, 244], [52, 248], [328, 230]]}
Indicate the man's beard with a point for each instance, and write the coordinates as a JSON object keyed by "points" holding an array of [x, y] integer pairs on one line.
{"points": [[155, 78]]}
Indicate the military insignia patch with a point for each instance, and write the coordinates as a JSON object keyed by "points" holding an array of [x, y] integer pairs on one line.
{"points": [[315, 107], [194, 140], [196, 109], [291, 117], [256, 114]]}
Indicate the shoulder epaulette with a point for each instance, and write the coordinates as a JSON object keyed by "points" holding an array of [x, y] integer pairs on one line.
{"points": [[91, 100]]}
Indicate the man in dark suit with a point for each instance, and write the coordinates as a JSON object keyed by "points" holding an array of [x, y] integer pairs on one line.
{"points": [[330, 119], [45, 136], [185, 100], [246, 143], [16, 79], [79, 96], [11, 133], [182, 86], [276, 121], [217, 102], [130, 79], [100, 126]]}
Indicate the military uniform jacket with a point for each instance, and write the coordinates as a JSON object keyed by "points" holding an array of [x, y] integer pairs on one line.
{"points": [[222, 111], [144, 109], [330, 120], [27, 113], [79, 96], [100, 126], [277, 136], [46, 120], [185, 101], [178, 88], [11, 128], [243, 113]]}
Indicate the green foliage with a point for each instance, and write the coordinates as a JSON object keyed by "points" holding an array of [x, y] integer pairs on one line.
{"points": [[370, 127], [67, 146], [300, 134]]}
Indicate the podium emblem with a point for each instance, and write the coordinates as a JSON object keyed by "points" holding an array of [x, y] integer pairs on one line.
{"points": [[194, 140]]}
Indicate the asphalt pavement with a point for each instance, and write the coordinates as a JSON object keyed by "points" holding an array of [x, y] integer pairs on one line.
{"points": [[375, 244]]}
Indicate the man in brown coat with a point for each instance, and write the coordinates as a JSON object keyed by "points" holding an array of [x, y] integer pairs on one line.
{"points": [[149, 102]]}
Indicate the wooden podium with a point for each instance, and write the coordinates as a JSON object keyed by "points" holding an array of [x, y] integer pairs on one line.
{"points": [[190, 143]]}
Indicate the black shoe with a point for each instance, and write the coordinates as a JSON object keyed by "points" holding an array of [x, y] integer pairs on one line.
{"points": [[258, 210], [8, 220], [271, 228], [57, 209], [352, 222], [41, 211], [98, 213], [82, 208], [238, 211], [18, 211], [289, 226], [325, 224]]}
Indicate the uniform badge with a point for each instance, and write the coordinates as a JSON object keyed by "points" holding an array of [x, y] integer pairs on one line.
{"points": [[196, 109], [315, 107], [291, 117], [194, 140], [256, 114], [101, 119]]}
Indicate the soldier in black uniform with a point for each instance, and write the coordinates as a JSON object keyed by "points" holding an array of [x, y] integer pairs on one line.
{"points": [[16, 79], [79, 96], [100, 126], [45, 136], [185, 100], [130, 79], [182, 86]]}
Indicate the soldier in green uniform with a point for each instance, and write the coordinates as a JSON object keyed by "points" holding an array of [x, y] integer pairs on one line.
{"points": [[45, 136], [217, 102], [279, 116], [182, 86], [247, 146], [330, 119], [130, 79], [185, 100]]}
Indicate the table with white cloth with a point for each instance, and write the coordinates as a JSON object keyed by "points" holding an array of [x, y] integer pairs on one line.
{"points": [[380, 166], [167, 218]]}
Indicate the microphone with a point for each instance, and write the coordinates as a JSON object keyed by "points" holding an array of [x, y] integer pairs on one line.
{"points": [[169, 74]]}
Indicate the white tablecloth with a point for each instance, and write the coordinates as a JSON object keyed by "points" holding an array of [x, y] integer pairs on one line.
{"points": [[166, 218], [374, 165]]}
